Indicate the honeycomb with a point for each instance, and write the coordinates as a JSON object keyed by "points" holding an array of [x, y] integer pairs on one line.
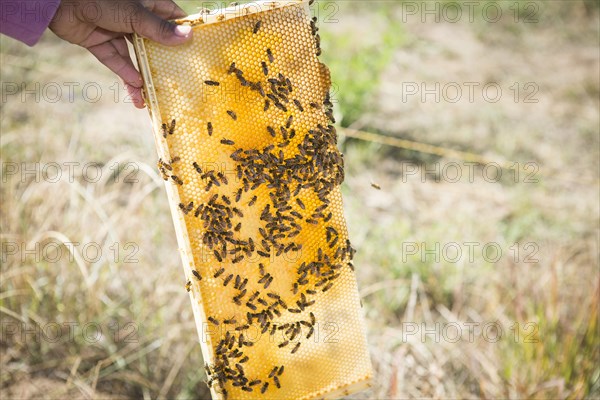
{"points": [[244, 130]]}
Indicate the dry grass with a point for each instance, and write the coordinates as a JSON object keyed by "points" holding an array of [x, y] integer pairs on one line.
{"points": [[153, 353]]}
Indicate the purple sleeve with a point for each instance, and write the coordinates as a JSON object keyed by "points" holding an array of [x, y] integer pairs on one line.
{"points": [[26, 20]]}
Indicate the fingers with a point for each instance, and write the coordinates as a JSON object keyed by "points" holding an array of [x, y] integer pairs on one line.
{"points": [[166, 9], [121, 46], [155, 28], [134, 91], [115, 56], [99, 36], [135, 95]]}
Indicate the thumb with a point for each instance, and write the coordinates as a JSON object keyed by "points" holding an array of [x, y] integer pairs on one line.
{"points": [[151, 26]]}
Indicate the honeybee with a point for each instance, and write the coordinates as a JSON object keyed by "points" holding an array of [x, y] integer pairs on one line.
{"points": [[281, 106], [268, 282], [329, 115], [284, 132], [257, 26], [254, 296], [164, 174], [313, 27], [212, 83], [197, 274], [186, 209], [332, 230], [375, 186], [265, 70], [259, 88], [232, 68], [213, 321], [188, 286], [274, 370], [270, 55], [227, 142], [242, 80], [177, 180], [298, 105], [162, 164], [263, 302], [264, 387], [232, 115], [172, 127], [295, 349]]}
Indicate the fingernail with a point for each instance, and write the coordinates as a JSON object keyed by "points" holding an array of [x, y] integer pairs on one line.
{"points": [[183, 30]]}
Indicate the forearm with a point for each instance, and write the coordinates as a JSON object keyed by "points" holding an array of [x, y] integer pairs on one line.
{"points": [[26, 20], [102, 34]]}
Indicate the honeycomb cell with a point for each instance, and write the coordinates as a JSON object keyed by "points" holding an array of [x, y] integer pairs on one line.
{"points": [[253, 172]]}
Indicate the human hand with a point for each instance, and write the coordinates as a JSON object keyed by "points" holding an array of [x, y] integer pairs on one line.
{"points": [[101, 26]]}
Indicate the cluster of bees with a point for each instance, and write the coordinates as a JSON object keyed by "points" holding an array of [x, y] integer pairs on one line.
{"points": [[166, 168], [230, 357], [314, 170]]}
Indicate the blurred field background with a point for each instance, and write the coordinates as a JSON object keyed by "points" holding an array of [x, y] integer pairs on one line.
{"points": [[541, 294]]}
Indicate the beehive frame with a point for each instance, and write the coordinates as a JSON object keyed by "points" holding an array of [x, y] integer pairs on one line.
{"points": [[181, 117]]}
